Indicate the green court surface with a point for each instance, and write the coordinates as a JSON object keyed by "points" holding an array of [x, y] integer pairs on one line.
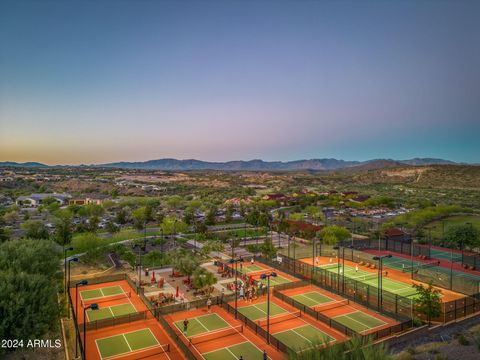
{"points": [[125, 343], [406, 266], [312, 299], [276, 280], [359, 321], [259, 311], [445, 255], [303, 337], [393, 286], [250, 268], [101, 292], [203, 324], [110, 312], [245, 349]]}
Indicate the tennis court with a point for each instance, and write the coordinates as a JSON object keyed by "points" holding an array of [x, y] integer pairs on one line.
{"points": [[277, 280], [245, 349], [110, 311], [203, 324], [359, 321], [446, 254], [247, 269], [100, 294], [312, 298], [206, 331], [393, 286], [259, 311], [129, 343], [299, 336], [303, 337]]}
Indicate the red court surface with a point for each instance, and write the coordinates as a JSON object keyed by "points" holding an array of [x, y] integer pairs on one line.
{"points": [[255, 269], [290, 323], [107, 301], [123, 296], [337, 311], [214, 344], [93, 351]]}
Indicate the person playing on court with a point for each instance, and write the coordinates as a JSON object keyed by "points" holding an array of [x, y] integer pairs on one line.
{"points": [[251, 261], [356, 267], [317, 260], [209, 305], [185, 326], [331, 260], [265, 356]]}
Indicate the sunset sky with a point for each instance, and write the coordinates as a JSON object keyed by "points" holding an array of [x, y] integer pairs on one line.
{"points": [[103, 81]]}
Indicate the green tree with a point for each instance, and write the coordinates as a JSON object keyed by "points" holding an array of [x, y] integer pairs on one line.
{"points": [[229, 213], [35, 229], [331, 235], [211, 214], [171, 224], [63, 227], [93, 222], [28, 271], [204, 280], [188, 216], [428, 301], [111, 227], [267, 249], [139, 217], [187, 265], [457, 236], [4, 233], [121, 216]]}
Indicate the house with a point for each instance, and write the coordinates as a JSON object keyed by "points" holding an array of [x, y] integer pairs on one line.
{"points": [[97, 199], [35, 200], [5, 200], [396, 234]]}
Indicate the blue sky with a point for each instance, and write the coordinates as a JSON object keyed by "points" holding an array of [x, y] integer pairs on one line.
{"points": [[101, 81]]}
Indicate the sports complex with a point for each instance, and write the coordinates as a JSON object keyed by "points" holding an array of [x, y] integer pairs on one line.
{"points": [[271, 308]]}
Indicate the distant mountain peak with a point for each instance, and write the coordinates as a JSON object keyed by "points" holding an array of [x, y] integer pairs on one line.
{"points": [[171, 164]]}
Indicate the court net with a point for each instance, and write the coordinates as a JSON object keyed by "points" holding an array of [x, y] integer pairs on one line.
{"points": [[331, 305], [421, 266], [280, 318], [88, 302], [260, 272], [215, 335], [363, 278]]}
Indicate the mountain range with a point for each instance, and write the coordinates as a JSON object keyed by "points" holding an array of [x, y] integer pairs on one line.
{"points": [[251, 165]]}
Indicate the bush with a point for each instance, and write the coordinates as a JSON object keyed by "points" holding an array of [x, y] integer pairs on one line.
{"points": [[462, 340]]}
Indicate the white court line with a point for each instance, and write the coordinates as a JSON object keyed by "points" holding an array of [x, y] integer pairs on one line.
{"points": [[128, 344]]}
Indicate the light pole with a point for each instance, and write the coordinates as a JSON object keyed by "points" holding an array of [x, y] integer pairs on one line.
{"points": [[93, 307], [294, 255], [313, 258], [380, 270], [75, 259], [81, 283], [174, 232], [234, 240], [235, 261], [338, 266], [263, 277], [65, 266]]}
